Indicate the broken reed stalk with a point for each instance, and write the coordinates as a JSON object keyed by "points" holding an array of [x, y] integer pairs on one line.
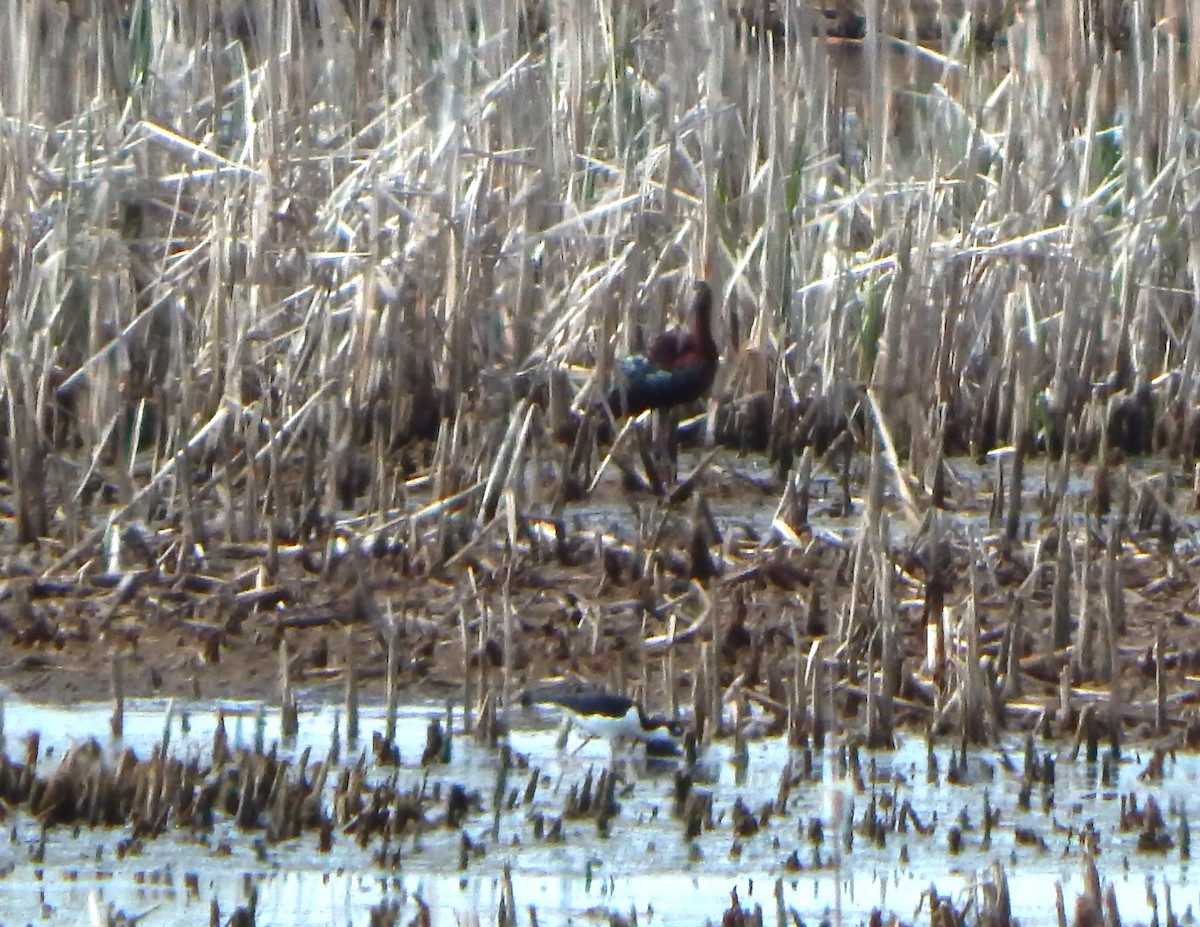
{"points": [[1012, 521], [702, 720], [712, 653], [818, 707], [500, 789], [510, 643], [289, 713], [260, 727], [506, 460], [1060, 608], [465, 643], [882, 723], [1114, 603], [668, 668], [164, 743], [709, 652], [507, 914], [448, 733], [1160, 682], [973, 690], [220, 741], [1116, 704], [391, 695], [933, 606], [27, 447], [351, 688], [1083, 658], [1014, 634], [117, 722]]}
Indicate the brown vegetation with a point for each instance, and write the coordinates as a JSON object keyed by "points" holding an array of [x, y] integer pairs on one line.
{"points": [[298, 296]]}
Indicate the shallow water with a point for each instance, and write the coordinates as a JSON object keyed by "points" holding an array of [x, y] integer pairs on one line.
{"points": [[645, 866], [972, 486]]}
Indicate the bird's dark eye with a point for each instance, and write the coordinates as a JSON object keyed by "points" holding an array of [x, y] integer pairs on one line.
{"points": [[675, 728]]}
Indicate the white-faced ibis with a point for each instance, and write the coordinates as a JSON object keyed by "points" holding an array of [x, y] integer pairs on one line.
{"points": [[679, 367]]}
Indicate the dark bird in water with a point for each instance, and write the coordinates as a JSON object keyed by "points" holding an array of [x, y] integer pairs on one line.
{"points": [[679, 367]]}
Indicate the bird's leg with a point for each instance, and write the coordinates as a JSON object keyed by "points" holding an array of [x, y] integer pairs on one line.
{"points": [[631, 763], [615, 757], [672, 443], [666, 444], [564, 731], [587, 739], [579, 467], [659, 469], [650, 460]]}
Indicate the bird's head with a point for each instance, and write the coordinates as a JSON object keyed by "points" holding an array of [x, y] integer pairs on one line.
{"points": [[661, 728], [664, 740]]}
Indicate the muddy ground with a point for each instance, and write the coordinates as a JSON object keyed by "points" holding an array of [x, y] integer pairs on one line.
{"points": [[581, 607]]}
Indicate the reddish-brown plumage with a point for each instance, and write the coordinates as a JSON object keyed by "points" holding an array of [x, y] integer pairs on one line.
{"points": [[679, 347], [679, 367]]}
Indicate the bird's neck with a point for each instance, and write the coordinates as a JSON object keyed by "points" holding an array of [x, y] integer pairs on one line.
{"points": [[702, 333]]}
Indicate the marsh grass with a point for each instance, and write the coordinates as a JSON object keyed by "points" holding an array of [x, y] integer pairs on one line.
{"points": [[265, 262]]}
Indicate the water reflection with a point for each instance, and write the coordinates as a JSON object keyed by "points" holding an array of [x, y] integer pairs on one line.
{"points": [[644, 867]]}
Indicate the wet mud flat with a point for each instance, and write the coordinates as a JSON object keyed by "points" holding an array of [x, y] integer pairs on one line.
{"points": [[626, 589], [218, 820], [758, 613]]}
